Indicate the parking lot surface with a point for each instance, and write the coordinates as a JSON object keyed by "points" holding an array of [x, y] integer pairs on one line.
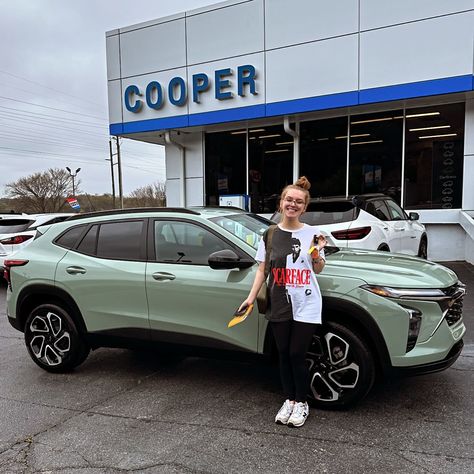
{"points": [[126, 411]]}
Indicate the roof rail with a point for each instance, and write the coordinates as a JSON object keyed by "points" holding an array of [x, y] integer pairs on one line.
{"points": [[112, 212]]}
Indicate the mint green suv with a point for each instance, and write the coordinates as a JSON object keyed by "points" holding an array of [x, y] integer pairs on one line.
{"points": [[173, 277]]}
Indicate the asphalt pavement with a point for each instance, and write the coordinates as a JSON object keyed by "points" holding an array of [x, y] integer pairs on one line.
{"points": [[125, 411]]}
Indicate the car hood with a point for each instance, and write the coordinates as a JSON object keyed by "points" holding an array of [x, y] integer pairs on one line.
{"points": [[389, 269]]}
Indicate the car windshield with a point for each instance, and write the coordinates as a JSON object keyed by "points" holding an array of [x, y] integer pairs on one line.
{"points": [[329, 212], [247, 227], [9, 226]]}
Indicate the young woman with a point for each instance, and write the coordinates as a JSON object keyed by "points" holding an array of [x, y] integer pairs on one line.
{"points": [[294, 296]]}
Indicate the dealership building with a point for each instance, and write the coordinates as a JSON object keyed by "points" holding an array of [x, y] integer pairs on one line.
{"points": [[360, 96]]}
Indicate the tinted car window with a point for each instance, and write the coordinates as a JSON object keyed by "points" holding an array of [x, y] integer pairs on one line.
{"points": [[69, 238], [120, 240], [324, 212], [8, 226], [378, 209], [88, 243], [396, 211], [183, 242]]}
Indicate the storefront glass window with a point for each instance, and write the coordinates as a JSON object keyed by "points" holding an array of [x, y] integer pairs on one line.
{"points": [[225, 165], [270, 166], [434, 138], [375, 155], [323, 155]]}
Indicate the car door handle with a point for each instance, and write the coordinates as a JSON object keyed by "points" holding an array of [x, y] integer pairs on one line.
{"points": [[162, 276], [76, 270]]}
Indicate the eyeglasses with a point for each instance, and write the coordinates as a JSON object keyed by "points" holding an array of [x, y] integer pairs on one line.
{"points": [[298, 202]]}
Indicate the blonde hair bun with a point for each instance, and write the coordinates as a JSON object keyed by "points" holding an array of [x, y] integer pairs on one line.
{"points": [[302, 182]]}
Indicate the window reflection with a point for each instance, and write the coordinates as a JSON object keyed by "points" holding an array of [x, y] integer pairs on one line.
{"points": [[323, 155], [434, 138], [270, 166], [375, 156], [225, 165]]}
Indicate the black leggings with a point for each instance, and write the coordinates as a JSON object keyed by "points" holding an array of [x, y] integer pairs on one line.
{"points": [[292, 340]]}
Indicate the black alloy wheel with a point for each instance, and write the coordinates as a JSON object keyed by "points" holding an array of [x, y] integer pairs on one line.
{"points": [[342, 368], [52, 339], [423, 249]]}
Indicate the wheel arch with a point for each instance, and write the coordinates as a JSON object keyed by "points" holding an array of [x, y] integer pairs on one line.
{"points": [[35, 295], [353, 316]]}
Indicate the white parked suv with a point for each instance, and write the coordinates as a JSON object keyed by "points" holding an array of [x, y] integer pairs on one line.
{"points": [[18, 230], [367, 221]]}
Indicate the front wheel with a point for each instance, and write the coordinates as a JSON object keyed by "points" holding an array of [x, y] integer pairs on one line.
{"points": [[342, 368], [52, 339], [423, 249]]}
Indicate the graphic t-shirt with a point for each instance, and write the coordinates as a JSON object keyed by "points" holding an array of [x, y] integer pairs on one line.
{"points": [[293, 289]]}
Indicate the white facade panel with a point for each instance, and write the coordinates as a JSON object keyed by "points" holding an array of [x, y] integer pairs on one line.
{"points": [[146, 113], [379, 13], [173, 193], [300, 21], [417, 51], [313, 69], [113, 57], [114, 92], [207, 100], [154, 48], [194, 192], [226, 32], [194, 155]]}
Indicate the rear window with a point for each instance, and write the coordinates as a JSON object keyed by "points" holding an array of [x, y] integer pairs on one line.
{"points": [[8, 226], [321, 213], [69, 238]]}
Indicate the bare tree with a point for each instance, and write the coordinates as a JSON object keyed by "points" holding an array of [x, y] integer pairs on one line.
{"points": [[42, 192], [153, 195]]}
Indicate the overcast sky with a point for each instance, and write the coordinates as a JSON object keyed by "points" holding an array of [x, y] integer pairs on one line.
{"points": [[53, 89]]}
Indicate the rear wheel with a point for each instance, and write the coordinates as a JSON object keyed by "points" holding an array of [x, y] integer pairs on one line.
{"points": [[342, 368], [52, 339], [384, 248]]}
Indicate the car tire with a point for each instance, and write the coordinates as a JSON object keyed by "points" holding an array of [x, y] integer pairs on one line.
{"points": [[384, 248], [342, 367], [52, 339], [423, 248]]}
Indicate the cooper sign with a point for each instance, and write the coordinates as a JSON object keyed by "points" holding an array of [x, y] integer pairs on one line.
{"points": [[177, 90]]}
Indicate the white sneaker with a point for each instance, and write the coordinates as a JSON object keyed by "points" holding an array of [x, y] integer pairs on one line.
{"points": [[284, 413], [299, 414]]}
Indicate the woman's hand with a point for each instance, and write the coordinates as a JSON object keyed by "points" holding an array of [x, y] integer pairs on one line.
{"points": [[321, 241], [246, 303]]}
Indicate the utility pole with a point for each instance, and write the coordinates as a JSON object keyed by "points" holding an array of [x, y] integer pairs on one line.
{"points": [[111, 159], [119, 166]]}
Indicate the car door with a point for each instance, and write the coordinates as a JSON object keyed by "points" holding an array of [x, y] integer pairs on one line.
{"points": [[189, 302], [404, 228], [105, 275], [378, 209]]}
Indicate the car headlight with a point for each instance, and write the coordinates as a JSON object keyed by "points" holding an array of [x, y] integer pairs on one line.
{"points": [[406, 293]]}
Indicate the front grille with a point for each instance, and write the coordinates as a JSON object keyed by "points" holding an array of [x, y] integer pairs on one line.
{"points": [[454, 313], [453, 305]]}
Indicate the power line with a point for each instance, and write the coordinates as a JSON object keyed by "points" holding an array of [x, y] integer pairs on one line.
{"points": [[50, 108], [52, 117], [47, 87]]}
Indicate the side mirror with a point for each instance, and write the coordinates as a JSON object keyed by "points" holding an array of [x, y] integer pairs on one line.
{"points": [[414, 216], [228, 259]]}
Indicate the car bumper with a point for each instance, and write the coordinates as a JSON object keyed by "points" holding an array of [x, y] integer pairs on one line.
{"points": [[432, 367]]}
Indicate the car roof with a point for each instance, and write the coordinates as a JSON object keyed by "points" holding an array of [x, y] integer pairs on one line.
{"points": [[354, 198], [204, 211]]}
